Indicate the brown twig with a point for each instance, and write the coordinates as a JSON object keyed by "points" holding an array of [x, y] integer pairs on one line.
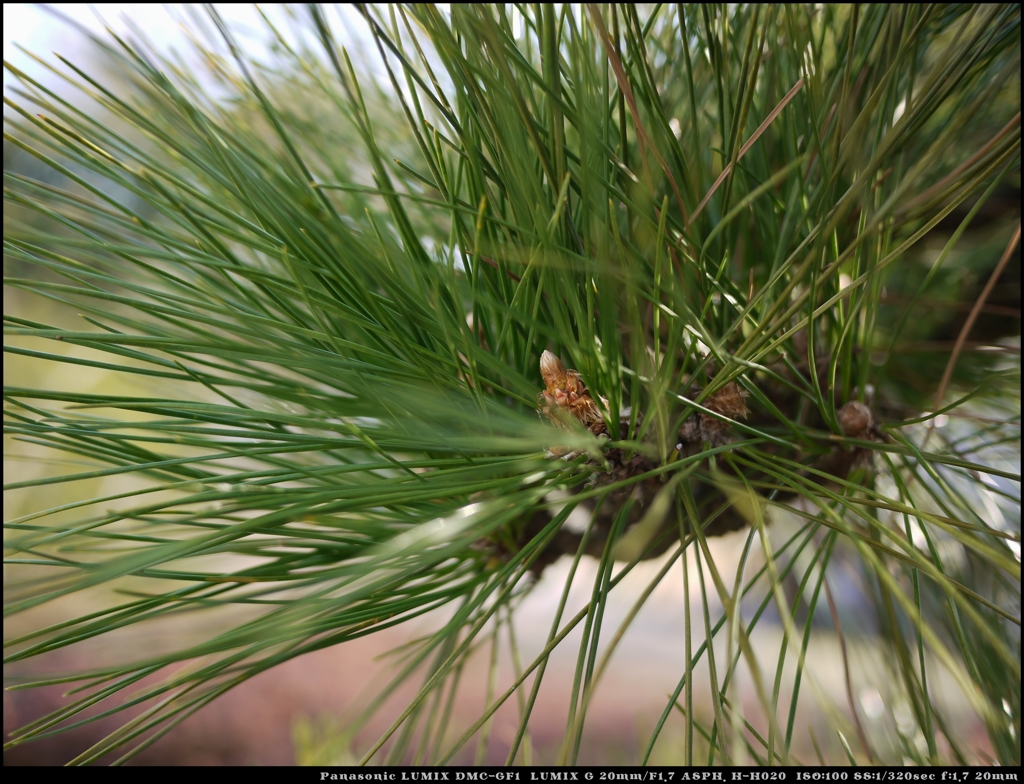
{"points": [[978, 305], [627, 91], [749, 143], [953, 175], [494, 264]]}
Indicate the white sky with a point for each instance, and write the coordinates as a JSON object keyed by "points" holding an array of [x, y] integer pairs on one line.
{"points": [[30, 26], [33, 28]]}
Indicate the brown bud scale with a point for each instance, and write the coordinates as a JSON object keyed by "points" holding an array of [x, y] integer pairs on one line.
{"points": [[566, 397]]}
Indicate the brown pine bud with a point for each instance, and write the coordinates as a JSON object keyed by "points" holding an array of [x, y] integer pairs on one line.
{"points": [[855, 420], [728, 401], [566, 394], [552, 371]]}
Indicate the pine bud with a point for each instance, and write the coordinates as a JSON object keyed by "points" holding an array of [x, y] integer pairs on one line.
{"points": [[567, 395], [855, 420]]}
